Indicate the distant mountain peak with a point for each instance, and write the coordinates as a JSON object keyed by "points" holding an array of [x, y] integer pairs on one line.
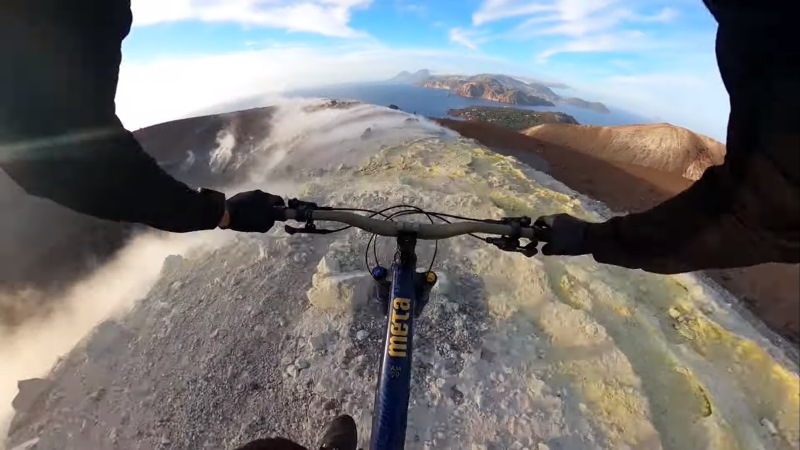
{"points": [[581, 103], [407, 77], [494, 87], [536, 81], [505, 89]]}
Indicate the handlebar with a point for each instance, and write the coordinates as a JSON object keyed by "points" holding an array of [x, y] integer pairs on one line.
{"points": [[421, 230]]}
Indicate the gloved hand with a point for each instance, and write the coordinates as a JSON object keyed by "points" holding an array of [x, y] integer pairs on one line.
{"points": [[253, 211], [562, 233]]}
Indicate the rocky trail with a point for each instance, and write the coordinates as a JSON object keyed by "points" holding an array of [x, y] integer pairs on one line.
{"points": [[247, 336]]}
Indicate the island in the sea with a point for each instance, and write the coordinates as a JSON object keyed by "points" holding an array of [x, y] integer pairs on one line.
{"points": [[581, 103], [495, 87], [512, 118]]}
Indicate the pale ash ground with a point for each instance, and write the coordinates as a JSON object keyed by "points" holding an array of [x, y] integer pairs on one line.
{"points": [[274, 335]]}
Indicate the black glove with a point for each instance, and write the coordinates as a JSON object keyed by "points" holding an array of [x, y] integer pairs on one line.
{"points": [[254, 211], [563, 234]]}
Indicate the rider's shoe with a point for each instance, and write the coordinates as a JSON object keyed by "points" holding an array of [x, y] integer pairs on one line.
{"points": [[340, 435]]}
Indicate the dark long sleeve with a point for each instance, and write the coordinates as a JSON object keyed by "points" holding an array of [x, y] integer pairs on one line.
{"points": [[59, 136], [746, 211]]}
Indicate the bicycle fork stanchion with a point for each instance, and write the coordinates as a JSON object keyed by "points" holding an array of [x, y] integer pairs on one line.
{"points": [[390, 411], [382, 288], [423, 283]]}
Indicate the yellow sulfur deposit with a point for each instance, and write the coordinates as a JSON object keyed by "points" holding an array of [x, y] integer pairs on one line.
{"points": [[632, 352]]}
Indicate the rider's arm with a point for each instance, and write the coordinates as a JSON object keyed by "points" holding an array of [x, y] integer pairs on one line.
{"points": [[59, 135], [746, 211]]}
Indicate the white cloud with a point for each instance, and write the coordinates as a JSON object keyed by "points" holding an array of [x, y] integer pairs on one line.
{"points": [[695, 100], [572, 13], [580, 21], [468, 38], [411, 7], [325, 17], [492, 10], [666, 15], [625, 41], [177, 87], [661, 80], [557, 25]]}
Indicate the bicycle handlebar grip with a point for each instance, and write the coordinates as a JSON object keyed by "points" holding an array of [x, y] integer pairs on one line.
{"points": [[541, 230], [285, 214]]}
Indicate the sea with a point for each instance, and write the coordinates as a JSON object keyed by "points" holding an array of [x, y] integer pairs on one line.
{"points": [[437, 102]]}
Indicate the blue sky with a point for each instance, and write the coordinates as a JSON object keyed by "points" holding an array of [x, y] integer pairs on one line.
{"points": [[650, 56]]}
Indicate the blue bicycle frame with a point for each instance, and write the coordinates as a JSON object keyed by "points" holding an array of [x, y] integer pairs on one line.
{"points": [[409, 294], [404, 297]]}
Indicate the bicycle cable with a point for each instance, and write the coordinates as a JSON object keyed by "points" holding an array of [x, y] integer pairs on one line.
{"points": [[373, 241], [407, 211], [416, 210]]}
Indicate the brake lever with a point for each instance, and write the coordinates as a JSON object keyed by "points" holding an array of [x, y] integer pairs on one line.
{"points": [[303, 210], [530, 249], [309, 228], [510, 244]]}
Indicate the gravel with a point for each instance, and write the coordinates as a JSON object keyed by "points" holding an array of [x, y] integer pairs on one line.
{"points": [[194, 371], [273, 335]]}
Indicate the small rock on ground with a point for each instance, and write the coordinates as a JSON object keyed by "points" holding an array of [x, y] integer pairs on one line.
{"points": [[766, 423]]}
